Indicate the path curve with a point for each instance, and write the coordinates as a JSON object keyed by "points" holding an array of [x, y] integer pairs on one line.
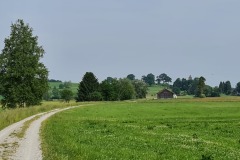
{"points": [[29, 147]]}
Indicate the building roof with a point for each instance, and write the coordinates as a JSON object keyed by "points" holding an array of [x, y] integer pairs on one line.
{"points": [[165, 90]]}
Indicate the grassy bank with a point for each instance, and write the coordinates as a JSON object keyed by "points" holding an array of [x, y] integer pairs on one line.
{"points": [[171, 129], [10, 116], [73, 87]]}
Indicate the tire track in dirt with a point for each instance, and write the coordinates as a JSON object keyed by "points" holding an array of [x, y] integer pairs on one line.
{"points": [[28, 147]]}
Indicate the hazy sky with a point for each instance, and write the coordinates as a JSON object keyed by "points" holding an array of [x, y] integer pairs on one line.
{"points": [[118, 37]]}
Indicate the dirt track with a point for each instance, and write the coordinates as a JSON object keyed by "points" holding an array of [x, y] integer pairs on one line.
{"points": [[27, 148]]}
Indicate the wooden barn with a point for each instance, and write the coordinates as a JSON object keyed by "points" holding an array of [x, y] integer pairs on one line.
{"points": [[165, 94]]}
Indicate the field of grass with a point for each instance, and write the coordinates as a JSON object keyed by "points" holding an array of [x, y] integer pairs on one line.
{"points": [[169, 129], [74, 86], [153, 90], [10, 116]]}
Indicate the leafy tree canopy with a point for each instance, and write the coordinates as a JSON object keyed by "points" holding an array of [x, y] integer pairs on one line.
{"points": [[131, 77], [164, 78], [125, 89], [149, 79], [238, 88], [66, 95], [140, 88], [23, 77]]}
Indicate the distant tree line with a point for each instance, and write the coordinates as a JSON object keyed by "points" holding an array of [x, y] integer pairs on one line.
{"points": [[225, 88], [24, 78], [54, 80], [113, 89], [161, 79], [191, 87], [110, 89]]}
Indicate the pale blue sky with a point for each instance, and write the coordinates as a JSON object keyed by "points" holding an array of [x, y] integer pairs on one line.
{"points": [[119, 37]]}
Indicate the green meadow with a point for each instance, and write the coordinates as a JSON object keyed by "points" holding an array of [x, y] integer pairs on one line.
{"points": [[73, 87], [170, 129], [153, 90]]}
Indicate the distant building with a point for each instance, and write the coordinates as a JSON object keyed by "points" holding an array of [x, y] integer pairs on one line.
{"points": [[190, 78], [165, 94]]}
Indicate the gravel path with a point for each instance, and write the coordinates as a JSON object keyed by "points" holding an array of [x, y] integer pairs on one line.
{"points": [[27, 148]]}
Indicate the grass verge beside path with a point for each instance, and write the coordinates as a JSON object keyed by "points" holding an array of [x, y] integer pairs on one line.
{"points": [[174, 129], [10, 116]]}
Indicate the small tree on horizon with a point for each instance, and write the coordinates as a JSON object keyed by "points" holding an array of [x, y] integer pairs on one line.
{"points": [[164, 78], [149, 79], [131, 77]]}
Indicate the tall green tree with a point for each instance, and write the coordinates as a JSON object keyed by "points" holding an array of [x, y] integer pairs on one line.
{"points": [[238, 88], [177, 83], [221, 87], [185, 84], [125, 89], [140, 88], [87, 88], [108, 90], [193, 86], [23, 77], [201, 86], [227, 88]]}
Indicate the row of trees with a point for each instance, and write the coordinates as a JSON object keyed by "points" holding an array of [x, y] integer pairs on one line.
{"points": [[161, 79], [24, 78], [111, 89], [191, 87], [225, 87]]}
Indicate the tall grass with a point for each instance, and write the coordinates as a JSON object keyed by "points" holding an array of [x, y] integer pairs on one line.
{"points": [[10, 116]]}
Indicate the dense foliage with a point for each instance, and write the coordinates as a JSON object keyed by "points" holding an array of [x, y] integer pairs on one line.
{"points": [[225, 87], [200, 87], [194, 87], [238, 88], [23, 78], [66, 95], [111, 89], [88, 88], [149, 79], [163, 78]]}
